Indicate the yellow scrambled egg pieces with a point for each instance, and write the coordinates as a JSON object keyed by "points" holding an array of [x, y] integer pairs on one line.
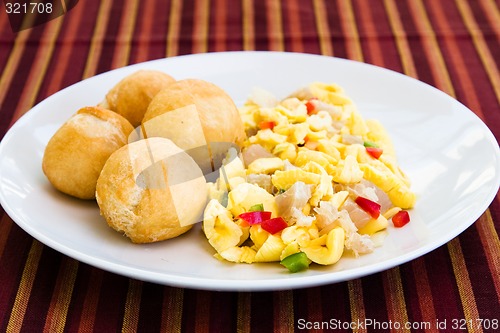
{"points": [[311, 165]]}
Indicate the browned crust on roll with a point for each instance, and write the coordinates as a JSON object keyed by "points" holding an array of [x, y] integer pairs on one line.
{"points": [[131, 96], [76, 153], [135, 197], [216, 111]]}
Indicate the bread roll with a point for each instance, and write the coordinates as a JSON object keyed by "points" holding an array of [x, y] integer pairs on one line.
{"points": [[75, 155], [199, 117], [151, 190], [131, 96]]}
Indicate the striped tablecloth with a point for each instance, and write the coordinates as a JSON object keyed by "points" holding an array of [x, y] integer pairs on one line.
{"points": [[450, 44]]}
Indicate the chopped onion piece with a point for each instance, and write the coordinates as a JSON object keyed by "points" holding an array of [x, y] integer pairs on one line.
{"points": [[296, 196], [359, 244], [254, 152], [299, 218]]}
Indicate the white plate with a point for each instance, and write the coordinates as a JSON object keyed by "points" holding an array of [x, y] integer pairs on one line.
{"points": [[450, 155]]}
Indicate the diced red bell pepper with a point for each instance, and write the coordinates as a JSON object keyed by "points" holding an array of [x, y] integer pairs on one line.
{"points": [[311, 108], [255, 217], [371, 207], [375, 152], [274, 225], [267, 124], [401, 218]]}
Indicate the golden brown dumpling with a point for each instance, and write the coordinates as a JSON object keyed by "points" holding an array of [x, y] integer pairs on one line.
{"points": [[131, 96], [75, 155], [151, 190], [199, 117]]}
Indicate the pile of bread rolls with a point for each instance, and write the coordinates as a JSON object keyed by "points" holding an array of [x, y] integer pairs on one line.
{"points": [[144, 151]]}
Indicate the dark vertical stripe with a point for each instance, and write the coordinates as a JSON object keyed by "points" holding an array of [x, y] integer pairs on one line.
{"points": [[110, 309], [64, 54], [109, 43], [368, 34], [482, 284], [39, 69], [338, 295], [121, 54], [62, 295], [234, 29], [243, 314], [159, 29], [308, 303], [490, 241], [445, 295], [90, 302], [431, 48], [97, 39], [223, 303], [283, 311], [299, 27], [12, 261], [400, 39], [225, 26], [463, 282], [262, 312], [485, 54], [414, 281], [292, 25], [79, 310], [415, 43], [80, 45], [350, 30], [186, 30], [18, 312], [377, 44], [374, 296], [261, 25], [41, 291], [6, 38], [338, 39], [151, 308], [145, 37], [20, 78], [310, 38], [486, 15], [460, 57]]}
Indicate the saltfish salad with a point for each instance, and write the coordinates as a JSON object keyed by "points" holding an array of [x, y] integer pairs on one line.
{"points": [[313, 181]]}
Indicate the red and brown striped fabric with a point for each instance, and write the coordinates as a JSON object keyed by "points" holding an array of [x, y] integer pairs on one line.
{"points": [[450, 44]]}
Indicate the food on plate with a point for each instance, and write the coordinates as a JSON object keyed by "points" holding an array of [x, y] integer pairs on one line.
{"points": [[131, 96], [199, 117], [146, 182], [76, 153], [313, 181], [151, 190]]}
